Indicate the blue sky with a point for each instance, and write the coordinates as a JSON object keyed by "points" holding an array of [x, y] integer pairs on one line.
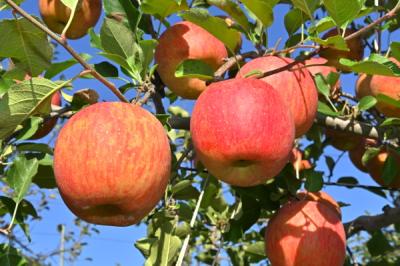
{"points": [[115, 245]]}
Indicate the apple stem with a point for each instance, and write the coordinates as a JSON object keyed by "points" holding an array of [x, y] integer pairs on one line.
{"points": [[192, 222]]}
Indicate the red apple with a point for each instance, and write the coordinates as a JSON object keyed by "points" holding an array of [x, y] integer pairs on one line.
{"points": [[112, 163], [48, 125], [355, 52], [377, 84], [318, 65], [305, 233], [56, 15], [296, 87], [185, 40], [242, 131]]}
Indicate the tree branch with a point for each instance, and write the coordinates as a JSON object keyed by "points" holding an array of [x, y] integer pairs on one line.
{"points": [[70, 50], [370, 223]]}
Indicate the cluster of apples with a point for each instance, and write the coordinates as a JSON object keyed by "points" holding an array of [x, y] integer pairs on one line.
{"points": [[112, 161]]}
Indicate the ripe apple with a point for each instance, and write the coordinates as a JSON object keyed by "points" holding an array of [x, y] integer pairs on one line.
{"points": [[48, 125], [112, 163], [377, 84], [342, 140], [296, 159], [56, 15], [296, 87], [182, 41], [242, 131], [305, 233], [321, 197], [355, 45], [318, 65]]}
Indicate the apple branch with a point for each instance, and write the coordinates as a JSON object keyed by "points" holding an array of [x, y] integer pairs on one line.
{"points": [[389, 216], [67, 47]]}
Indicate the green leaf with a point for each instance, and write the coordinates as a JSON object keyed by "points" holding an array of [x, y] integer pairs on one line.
{"points": [[215, 25], [342, 11], [10, 256], [314, 181], [30, 126], [325, 109], [106, 69], [262, 9], [378, 244], [166, 247], [44, 177], [144, 245], [124, 10], [369, 154], [322, 25], [233, 10], [390, 170], [307, 6], [148, 47], [34, 147], [163, 8], [366, 103], [347, 180], [27, 45], [117, 39], [293, 20], [392, 121], [20, 175], [322, 85], [70, 3], [395, 48], [374, 65], [193, 68], [257, 248], [22, 100], [388, 100], [337, 42]]}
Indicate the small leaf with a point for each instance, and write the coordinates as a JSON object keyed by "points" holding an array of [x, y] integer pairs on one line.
{"points": [[348, 180], [192, 68], [262, 9], [392, 121], [322, 85], [325, 109], [342, 11], [395, 48], [162, 8], [390, 170], [314, 181], [366, 103], [369, 154], [387, 99], [293, 20], [378, 244], [307, 6], [20, 175], [375, 65]]}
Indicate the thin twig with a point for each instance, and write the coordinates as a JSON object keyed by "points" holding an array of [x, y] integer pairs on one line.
{"points": [[70, 50]]}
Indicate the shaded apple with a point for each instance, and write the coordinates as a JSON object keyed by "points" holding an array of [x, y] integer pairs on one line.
{"points": [[182, 41], [296, 87], [378, 84], [112, 163], [355, 52], [48, 125], [56, 15], [242, 131], [342, 140], [305, 233]]}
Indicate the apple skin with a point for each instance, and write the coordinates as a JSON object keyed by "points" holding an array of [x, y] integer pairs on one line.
{"points": [[355, 45], [48, 125], [185, 40], [305, 233], [322, 69], [112, 163], [321, 197], [378, 84], [242, 131], [296, 87], [56, 15]]}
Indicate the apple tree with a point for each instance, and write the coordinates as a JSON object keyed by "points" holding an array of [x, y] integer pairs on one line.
{"points": [[201, 128]]}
